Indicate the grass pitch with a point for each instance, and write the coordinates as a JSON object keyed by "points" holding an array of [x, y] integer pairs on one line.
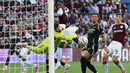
{"points": [[75, 68]]}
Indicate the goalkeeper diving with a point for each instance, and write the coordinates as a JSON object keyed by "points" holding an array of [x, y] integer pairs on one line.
{"points": [[59, 34]]}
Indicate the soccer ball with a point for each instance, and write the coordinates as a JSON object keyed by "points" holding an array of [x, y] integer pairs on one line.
{"points": [[83, 41]]}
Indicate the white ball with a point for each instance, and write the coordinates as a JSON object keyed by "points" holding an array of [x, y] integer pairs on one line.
{"points": [[83, 40]]}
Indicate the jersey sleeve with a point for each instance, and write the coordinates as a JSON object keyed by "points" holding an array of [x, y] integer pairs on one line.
{"points": [[102, 29], [126, 26]]}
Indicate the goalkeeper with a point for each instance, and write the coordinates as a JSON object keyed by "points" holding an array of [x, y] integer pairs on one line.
{"points": [[43, 46]]}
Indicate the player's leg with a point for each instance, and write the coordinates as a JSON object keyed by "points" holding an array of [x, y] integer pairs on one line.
{"points": [[58, 57], [107, 51], [32, 64], [105, 62], [21, 60], [85, 53], [40, 48], [24, 70], [83, 64], [118, 63], [91, 67], [23, 56], [60, 60], [10, 52], [92, 52], [116, 57]]}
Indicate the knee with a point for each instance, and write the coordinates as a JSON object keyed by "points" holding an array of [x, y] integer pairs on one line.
{"points": [[115, 59], [85, 54], [82, 59], [105, 57]]}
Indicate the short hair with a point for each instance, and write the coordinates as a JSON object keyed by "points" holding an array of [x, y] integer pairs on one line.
{"points": [[119, 14], [95, 14]]}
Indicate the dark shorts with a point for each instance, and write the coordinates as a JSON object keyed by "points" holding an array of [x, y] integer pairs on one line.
{"points": [[12, 49], [11, 52], [12, 46]]}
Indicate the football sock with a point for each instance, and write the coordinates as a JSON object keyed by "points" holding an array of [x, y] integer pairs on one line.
{"points": [[91, 67], [105, 65], [83, 64], [119, 65], [21, 62], [7, 61]]}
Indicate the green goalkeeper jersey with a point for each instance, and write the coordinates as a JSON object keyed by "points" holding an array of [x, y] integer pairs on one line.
{"points": [[58, 37], [43, 46]]}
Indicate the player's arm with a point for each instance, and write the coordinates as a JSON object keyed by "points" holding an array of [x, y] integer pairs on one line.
{"points": [[127, 28], [63, 37], [104, 36]]}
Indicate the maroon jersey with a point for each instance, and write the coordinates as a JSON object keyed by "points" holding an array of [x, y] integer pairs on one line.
{"points": [[118, 32]]}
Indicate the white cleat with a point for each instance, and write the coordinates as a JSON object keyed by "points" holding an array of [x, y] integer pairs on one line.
{"points": [[58, 65], [67, 66]]}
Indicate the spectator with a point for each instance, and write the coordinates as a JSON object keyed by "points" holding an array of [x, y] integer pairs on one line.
{"points": [[114, 6], [112, 17], [120, 10], [124, 7], [95, 8], [85, 19], [102, 2], [104, 22], [72, 18], [83, 8], [107, 9], [125, 15], [128, 22]]}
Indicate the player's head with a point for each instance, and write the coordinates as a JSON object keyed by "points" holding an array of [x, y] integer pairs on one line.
{"points": [[118, 18], [94, 17], [58, 5], [57, 27]]}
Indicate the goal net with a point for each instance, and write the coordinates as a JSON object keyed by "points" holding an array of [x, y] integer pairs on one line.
{"points": [[22, 22]]}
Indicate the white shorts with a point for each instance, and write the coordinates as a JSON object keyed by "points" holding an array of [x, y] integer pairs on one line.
{"points": [[24, 53], [115, 48], [58, 54]]}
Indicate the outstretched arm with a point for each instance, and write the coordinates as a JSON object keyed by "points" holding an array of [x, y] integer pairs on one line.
{"points": [[63, 37]]}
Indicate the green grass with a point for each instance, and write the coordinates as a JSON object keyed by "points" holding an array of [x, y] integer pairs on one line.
{"points": [[75, 68]]}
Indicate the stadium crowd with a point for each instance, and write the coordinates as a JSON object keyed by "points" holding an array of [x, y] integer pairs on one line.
{"points": [[34, 20]]}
